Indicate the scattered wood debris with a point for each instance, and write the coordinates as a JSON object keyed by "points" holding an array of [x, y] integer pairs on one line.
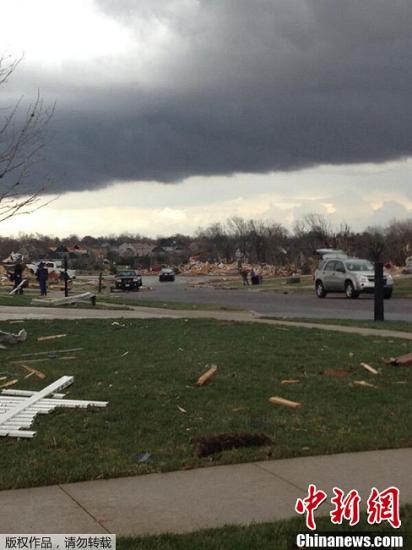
{"points": [[51, 352], [224, 442], [290, 381], [9, 338], [285, 402], [206, 376], [39, 374], [337, 373], [181, 409], [142, 458], [402, 360], [9, 383], [369, 368], [22, 284], [52, 337], [364, 383], [86, 297]]}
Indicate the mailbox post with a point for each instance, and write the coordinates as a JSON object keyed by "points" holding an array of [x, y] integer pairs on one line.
{"points": [[379, 298]]}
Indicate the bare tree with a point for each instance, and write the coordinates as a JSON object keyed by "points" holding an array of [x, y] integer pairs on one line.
{"points": [[21, 149]]}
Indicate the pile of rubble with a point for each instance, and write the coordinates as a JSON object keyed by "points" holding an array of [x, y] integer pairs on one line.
{"points": [[232, 269]]}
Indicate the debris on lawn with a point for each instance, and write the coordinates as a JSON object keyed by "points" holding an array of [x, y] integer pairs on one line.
{"points": [[77, 299], [338, 373], [401, 360], [22, 284], [6, 385], [124, 354], [369, 368], [21, 407], [290, 381], [10, 338], [181, 409], [285, 402], [52, 337], [224, 442], [206, 376], [51, 353], [364, 383], [143, 458], [119, 325], [31, 371]]}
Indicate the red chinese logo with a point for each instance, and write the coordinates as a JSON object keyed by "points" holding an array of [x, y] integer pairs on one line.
{"points": [[309, 504], [347, 508], [381, 506], [384, 506]]}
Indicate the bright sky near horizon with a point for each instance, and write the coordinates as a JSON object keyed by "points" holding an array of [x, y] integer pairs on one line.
{"points": [[174, 114]]}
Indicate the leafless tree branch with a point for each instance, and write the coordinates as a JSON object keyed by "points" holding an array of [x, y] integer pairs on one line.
{"points": [[21, 149]]}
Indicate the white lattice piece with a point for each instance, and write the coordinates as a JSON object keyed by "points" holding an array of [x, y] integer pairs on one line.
{"points": [[19, 408]]}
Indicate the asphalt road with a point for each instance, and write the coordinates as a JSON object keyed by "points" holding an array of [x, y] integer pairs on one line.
{"points": [[288, 305]]}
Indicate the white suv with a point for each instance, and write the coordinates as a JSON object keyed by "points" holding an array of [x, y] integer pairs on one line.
{"points": [[351, 276]]}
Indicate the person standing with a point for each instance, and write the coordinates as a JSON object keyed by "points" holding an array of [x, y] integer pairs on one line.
{"points": [[244, 274], [42, 275], [18, 276]]}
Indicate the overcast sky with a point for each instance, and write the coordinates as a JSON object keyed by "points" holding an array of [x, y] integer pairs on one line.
{"points": [[176, 113]]}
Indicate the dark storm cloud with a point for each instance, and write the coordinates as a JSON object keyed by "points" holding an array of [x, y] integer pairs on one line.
{"points": [[242, 87]]}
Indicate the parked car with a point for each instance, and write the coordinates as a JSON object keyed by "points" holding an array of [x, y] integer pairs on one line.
{"points": [[166, 274], [352, 276], [128, 280]]}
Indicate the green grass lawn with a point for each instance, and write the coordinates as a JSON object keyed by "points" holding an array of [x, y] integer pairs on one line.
{"points": [[266, 536], [165, 357], [25, 300], [403, 287]]}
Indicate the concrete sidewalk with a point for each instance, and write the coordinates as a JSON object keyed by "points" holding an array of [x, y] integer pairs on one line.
{"points": [[204, 498]]}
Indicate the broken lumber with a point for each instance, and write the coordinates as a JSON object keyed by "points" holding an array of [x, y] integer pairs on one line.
{"points": [[31, 371], [9, 383], [51, 352], [79, 298], [290, 381], [364, 383], [206, 376], [285, 402], [402, 360], [369, 368], [52, 337], [18, 287]]}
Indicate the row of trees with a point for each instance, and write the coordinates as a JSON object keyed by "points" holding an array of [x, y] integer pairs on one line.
{"points": [[257, 241], [268, 242]]}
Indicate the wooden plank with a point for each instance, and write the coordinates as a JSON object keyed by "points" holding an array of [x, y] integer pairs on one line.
{"points": [[285, 402], [206, 376]]}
